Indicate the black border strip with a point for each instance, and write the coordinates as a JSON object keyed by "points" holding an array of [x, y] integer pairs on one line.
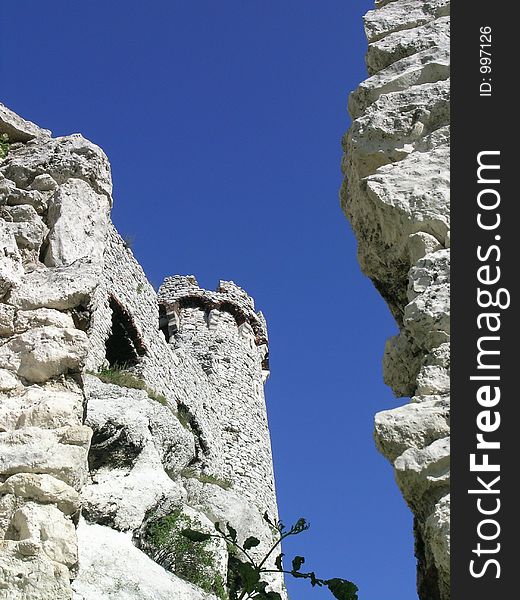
{"points": [[484, 121]]}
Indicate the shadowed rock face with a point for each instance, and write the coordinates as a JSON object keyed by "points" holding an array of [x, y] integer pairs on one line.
{"points": [[173, 423], [396, 197]]}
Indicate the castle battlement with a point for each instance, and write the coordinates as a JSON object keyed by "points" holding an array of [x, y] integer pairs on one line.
{"points": [[183, 291]]}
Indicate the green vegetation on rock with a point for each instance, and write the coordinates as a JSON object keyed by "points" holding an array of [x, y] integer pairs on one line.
{"points": [[188, 473], [192, 561], [245, 573], [123, 378]]}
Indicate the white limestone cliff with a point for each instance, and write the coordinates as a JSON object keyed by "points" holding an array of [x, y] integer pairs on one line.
{"points": [[396, 197], [124, 415]]}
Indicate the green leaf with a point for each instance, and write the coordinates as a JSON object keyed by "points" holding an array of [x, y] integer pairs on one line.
{"points": [[342, 589], [297, 562], [300, 525], [267, 519], [232, 532], [278, 561], [217, 527], [249, 576], [261, 594], [251, 542], [234, 565], [260, 587], [195, 536]]}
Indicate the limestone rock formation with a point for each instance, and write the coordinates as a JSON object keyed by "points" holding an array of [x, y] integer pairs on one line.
{"points": [[396, 197], [123, 414]]}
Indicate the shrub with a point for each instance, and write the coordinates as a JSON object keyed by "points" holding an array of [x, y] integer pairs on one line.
{"points": [[191, 561], [245, 573]]}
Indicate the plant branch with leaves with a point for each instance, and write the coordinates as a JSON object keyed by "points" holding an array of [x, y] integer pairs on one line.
{"points": [[245, 574]]}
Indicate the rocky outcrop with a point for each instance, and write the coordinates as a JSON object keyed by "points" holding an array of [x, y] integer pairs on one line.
{"points": [[396, 197], [124, 416]]}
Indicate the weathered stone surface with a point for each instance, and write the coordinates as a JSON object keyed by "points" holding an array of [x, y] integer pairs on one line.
{"points": [[18, 129], [59, 288], [41, 317], [61, 453], [6, 320], [27, 227], [61, 158], [28, 573], [419, 471], [48, 407], [78, 219], [395, 125], [103, 553], [43, 183], [8, 381], [427, 66], [44, 489], [412, 426], [44, 352], [47, 526], [138, 448], [11, 268], [427, 315], [396, 196], [402, 44], [10, 195], [437, 532], [402, 15], [402, 361]]}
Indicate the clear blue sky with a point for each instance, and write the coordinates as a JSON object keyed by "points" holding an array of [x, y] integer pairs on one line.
{"points": [[222, 121]]}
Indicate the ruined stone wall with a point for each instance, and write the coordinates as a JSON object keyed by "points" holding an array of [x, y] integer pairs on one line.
{"points": [[90, 462], [396, 197], [225, 335]]}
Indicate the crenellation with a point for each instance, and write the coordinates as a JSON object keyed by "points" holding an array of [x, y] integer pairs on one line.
{"points": [[183, 291]]}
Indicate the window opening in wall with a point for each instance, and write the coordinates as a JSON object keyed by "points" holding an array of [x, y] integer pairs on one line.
{"points": [[124, 345], [163, 322]]}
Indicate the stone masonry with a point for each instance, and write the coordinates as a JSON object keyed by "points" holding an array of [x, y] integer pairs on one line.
{"points": [[89, 463], [225, 335], [396, 197]]}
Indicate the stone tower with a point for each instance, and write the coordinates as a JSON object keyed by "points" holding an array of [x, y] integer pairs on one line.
{"points": [[224, 334], [119, 411]]}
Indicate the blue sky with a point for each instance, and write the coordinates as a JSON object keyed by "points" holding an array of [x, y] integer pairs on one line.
{"points": [[223, 121]]}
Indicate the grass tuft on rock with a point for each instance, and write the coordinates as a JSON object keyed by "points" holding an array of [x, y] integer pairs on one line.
{"points": [[188, 473], [123, 378]]}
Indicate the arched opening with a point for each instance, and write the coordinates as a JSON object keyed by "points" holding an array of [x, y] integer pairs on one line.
{"points": [[124, 346]]}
